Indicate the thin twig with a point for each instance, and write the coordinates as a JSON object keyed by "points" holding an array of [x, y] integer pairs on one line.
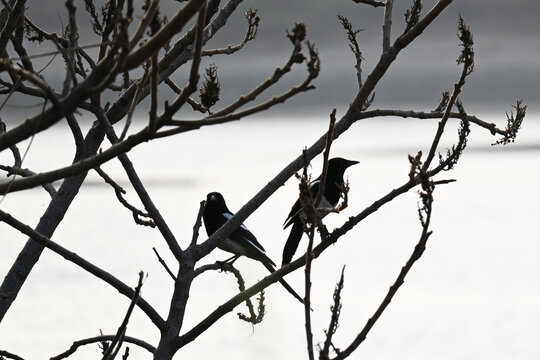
{"points": [[279, 72], [197, 224], [468, 65], [388, 57], [223, 266], [373, 3], [136, 98], [194, 105], [307, 296], [27, 172], [334, 319], [153, 93], [118, 339], [353, 45], [162, 262], [251, 33], [154, 44], [326, 156], [417, 253], [139, 187], [119, 191], [191, 86], [77, 344]]}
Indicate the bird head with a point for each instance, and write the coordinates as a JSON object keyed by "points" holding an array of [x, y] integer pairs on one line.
{"points": [[215, 198], [339, 165]]}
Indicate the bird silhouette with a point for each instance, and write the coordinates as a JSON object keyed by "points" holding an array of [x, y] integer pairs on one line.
{"points": [[332, 192], [241, 242]]}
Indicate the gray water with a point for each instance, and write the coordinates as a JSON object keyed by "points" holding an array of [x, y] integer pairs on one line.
{"points": [[473, 295]]}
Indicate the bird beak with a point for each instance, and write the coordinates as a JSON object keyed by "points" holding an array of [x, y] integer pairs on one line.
{"points": [[352, 162]]}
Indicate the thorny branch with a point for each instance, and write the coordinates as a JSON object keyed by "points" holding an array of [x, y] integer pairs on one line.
{"points": [[334, 319], [119, 191], [467, 59], [253, 24], [297, 37], [353, 45], [425, 218], [255, 317], [513, 124]]}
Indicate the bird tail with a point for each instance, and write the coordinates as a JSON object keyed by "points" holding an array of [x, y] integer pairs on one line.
{"points": [[283, 282], [293, 240]]}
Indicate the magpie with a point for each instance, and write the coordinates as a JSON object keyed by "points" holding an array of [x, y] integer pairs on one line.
{"points": [[241, 241], [332, 192]]}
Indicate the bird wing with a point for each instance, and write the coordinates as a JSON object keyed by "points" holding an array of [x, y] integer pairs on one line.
{"points": [[247, 240], [296, 208]]}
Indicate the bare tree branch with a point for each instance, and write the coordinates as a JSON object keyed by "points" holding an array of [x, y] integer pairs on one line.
{"points": [[373, 3], [326, 156], [253, 25], [118, 190], [9, 19], [197, 224], [162, 262], [467, 58], [387, 25], [152, 210], [353, 45], [389, 56], [77, 344], [417, 253], [174, 26], [334, 319], [307, 296], [118, 339], [7, 354], [84, 264], [27, 172]]}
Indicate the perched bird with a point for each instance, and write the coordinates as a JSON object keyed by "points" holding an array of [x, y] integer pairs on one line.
{"points": [[332, 192], [241, 241]]}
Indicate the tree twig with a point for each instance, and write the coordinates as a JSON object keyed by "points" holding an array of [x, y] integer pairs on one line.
{"points": [[119, 191], [296, 57], [197, 224], [251, 33], [373, 3], [334, 319], [139, 187], [118, 339], [326, 156], [467, 58], [307, 296], [162, 262], [419, 249], [97, 339]]}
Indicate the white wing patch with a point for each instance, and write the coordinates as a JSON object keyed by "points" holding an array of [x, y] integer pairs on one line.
{"points": [[228, 216]]}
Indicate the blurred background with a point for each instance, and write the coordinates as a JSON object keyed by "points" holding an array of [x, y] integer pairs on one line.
{"points": [[474, 293]]}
